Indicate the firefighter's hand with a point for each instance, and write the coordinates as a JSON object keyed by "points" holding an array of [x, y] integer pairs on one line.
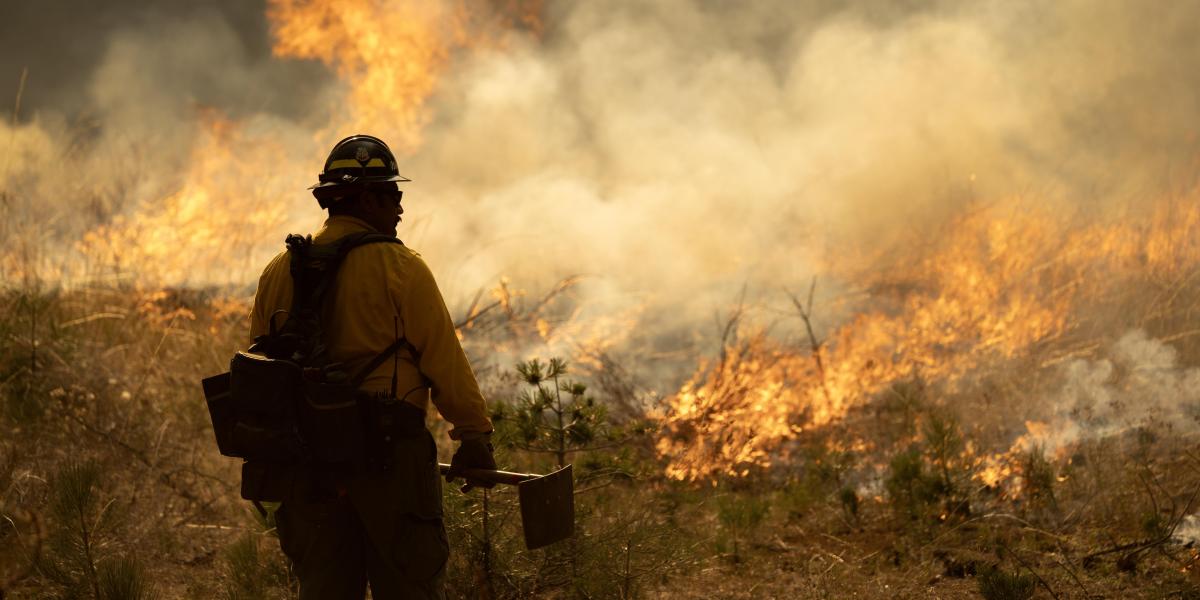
{"points": [[472, 454]]}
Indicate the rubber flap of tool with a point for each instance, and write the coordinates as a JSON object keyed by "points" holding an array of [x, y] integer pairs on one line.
{"points": [[548, 508]]}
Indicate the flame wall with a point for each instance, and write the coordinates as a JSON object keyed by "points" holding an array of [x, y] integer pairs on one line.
{"points": [[671, 152]]}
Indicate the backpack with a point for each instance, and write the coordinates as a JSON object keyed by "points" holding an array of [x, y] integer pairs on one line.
{"points": [[284, 407]]}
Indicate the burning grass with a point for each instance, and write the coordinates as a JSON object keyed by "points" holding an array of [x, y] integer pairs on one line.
{"points": [[1015, 403], [894, 498], [1003, 405], [985, 314]]}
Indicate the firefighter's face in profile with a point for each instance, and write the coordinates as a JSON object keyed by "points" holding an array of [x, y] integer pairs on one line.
{"points": [[382, 210]]}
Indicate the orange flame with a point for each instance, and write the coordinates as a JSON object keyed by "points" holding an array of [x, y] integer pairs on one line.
{"points": [[211, 229], [389, 52], [204, 232], [1001, 285]]}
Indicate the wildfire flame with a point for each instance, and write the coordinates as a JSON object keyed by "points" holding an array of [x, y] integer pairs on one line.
{"points": [[1008, 287], [389, 55], [204, 232], [1003, 287]]}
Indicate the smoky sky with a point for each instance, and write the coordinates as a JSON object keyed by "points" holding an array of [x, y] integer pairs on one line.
{"points": [[63, 43]]}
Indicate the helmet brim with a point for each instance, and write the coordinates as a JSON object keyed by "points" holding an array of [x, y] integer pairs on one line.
{"points": [[330, 189], [350, 181]]}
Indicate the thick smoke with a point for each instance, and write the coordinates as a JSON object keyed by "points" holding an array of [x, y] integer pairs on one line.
{"points": [[679, 150], [1139, 384], [110, 123], [672, 152]]}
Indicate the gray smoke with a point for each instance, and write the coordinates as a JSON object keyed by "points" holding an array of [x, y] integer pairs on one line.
{"points": [[1140, 383], [678, 150], [190, 51]]}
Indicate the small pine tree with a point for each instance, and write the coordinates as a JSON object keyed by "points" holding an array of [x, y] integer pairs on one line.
{"points": [[550, 423], [82, 551], [546, 421], [740, 515]]}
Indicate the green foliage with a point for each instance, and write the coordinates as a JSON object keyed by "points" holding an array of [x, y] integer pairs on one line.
{"points": [[253, 566], [929, 479], [629, 543], [124, 579], [83, 554], [250, 572], [910, 488], [1039, 478], [997, 584], [554, 415], [74, 493], [906, 398], [619, 543], [943, 451], [742, 512], [77, 526], [819, 478], [1155, 525], [799, 495], [740, 515], [23, 326], [848, 498], [243, 569]]}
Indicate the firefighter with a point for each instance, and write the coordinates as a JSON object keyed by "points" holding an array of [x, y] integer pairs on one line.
{"points": [[381, 527]]}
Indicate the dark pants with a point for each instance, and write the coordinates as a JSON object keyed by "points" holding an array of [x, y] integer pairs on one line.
{"points": [[382, 528]]}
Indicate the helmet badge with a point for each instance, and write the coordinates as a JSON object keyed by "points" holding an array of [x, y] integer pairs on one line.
{"points": [[362, 155]]}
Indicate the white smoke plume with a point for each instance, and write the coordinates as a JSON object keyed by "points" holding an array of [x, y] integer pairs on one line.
{"points": [[1139, 384]]}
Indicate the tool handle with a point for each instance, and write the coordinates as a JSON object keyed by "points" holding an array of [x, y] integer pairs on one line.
{"points": [[505, 477]]}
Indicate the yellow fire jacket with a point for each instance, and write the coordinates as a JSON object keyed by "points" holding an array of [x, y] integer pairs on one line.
{"points": [[376, 284]]}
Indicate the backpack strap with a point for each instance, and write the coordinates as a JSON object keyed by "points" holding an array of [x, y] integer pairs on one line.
{"points": [[386, 354], [322, 261], [314, 269]]}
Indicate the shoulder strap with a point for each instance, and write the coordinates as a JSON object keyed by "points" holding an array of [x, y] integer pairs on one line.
{"points": [[386, 354], [326, 259], [314, 269]]}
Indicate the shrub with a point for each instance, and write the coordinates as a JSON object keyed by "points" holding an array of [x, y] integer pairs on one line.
{"points": [[910, 489], [996, 584], [83, 552], [619, 542], [928, 479], [740, 515], [124, 579], [1039, 478]]}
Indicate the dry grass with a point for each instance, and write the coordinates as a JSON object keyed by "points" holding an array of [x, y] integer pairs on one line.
{"points": [[108, 378]]}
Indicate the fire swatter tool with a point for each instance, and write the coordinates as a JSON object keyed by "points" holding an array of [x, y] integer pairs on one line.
{"points": [[547, 501]]}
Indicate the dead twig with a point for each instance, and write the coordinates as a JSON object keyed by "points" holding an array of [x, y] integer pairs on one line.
{"points": [[1026, 566], [730, 328], [815, 345], [1067, 567], [473, 316]]}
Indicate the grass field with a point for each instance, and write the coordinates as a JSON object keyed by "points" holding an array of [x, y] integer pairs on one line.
{"points": [[111, 485]]}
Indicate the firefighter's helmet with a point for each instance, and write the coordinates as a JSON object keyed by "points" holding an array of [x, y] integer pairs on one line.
{"points": [[354, 163]]}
